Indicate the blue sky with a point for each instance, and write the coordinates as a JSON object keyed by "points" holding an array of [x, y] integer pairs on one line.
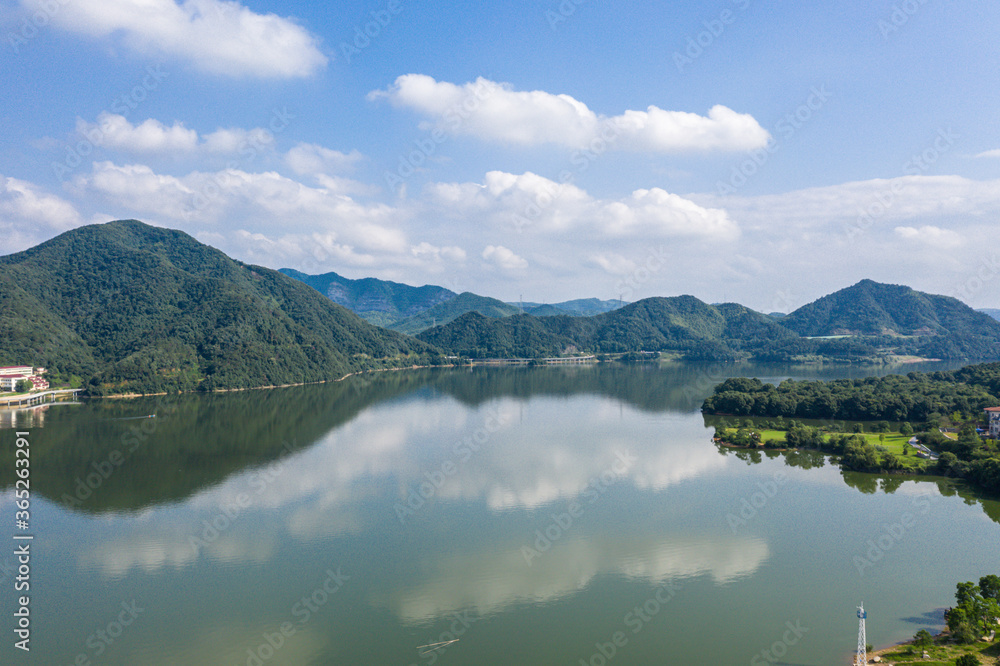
{"points": [[766, 153]]}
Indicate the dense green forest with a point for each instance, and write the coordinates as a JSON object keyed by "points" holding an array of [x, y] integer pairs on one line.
{"points": [[452, 309], [130, 308], [915, 397], [926, 400]]}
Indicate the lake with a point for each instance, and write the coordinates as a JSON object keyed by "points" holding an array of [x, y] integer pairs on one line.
{"points": [[563, 515]]}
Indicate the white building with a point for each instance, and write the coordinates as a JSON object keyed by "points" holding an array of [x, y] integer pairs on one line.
{"points": [[12, 374], [993, 421]]}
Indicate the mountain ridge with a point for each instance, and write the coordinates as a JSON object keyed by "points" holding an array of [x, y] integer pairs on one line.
{"points": [[137, 309]]}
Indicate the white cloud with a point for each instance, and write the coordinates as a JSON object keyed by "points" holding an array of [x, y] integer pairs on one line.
{"points": [[529, 202], [115, 132], [309, 159], [322, 220], [494, 111], [935, 237], [151, 136], [869, 201], [435, 254], [989, 153], [23, 203], [503, 258], [216, 36]]}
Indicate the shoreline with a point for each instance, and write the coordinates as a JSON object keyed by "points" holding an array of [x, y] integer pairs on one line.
{"points": [[126, 396]]}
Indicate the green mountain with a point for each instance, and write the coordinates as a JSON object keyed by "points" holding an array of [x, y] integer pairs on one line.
{"points": [[135, 308], [680, 324], [871, 308], [381, 302], [930, 325], [442, 313], [518, 336]]}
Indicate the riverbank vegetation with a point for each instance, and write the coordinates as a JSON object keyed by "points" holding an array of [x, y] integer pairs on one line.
{"points": [[944, 409], [970, 637]]}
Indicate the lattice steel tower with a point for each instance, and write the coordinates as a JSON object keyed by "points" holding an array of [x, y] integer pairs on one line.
{"points": [[862, 657]]}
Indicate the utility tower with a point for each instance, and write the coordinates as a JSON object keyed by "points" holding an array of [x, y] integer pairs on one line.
{"points": [[862, 657]]}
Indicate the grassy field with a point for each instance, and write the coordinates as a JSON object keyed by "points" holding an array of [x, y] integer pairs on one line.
{"points": [[894, 442], [940, 655]]}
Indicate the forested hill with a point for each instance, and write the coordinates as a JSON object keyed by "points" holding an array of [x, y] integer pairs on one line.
{"points": [[681, 323], [447, 311], [914, 397], [133, 308], [871, 308], [380, 302]]}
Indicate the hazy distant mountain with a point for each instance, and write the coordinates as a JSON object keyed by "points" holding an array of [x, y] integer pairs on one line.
{"points": [[991, 312], [142, 309], [445, 312], [581, 307], [381, 302]]}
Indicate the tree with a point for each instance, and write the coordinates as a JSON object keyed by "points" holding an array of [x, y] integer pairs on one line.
{"points": [[989, 586], [23, 386], [906, 429], [923, 638]]}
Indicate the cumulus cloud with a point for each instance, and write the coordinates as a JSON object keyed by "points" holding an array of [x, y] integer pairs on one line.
{"points": [[114, 132], [260, 201], [867, 201], [496, 112], [930, 235], [30, 215], [216, 36], [310, 158], [504, 258], [435, 254], [531, 202]]}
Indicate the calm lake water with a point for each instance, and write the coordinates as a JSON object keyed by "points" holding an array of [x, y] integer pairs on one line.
{"points": [[539, 516]]}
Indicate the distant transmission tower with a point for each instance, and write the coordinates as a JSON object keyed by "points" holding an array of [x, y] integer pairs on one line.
{"points": [[862, 657]]}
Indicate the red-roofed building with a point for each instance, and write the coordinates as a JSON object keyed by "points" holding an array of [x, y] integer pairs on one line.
{"points": [[993, 421], [12, 374]]}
